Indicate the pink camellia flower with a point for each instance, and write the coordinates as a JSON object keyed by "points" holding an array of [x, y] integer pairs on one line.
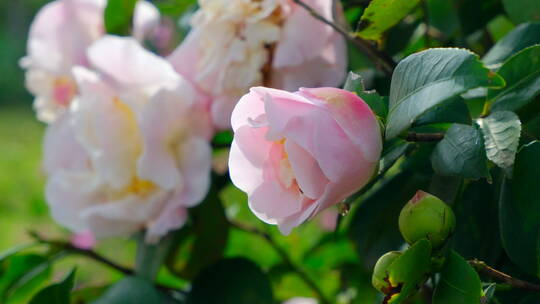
{"points": [[129, 154], [238, 44], [58, 39], [295, 154]]}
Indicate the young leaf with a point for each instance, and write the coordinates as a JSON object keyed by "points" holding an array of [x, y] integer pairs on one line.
{"points": [[378, 104], [22, 275], [409, 271], [459, 283], [58, 293], [519, 210], [461, 153], [522, 75], [522, 10], [381, 15], [231, 281], [131, 290], [427, 79], [119, 16], [523, 36], [501, 136]]}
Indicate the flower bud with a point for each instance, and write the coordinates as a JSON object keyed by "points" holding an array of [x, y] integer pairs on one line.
{"points": [[426, 216], [379, 279]]}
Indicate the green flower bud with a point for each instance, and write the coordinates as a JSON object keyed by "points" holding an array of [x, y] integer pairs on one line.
{"points": [[379, 279], [426, 216]]}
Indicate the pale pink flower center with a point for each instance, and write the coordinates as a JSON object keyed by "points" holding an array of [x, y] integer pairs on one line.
{"points": [[63, 90]]}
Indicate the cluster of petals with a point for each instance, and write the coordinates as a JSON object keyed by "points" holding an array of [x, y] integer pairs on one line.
{"points": [[238, 44], [59, 37], [126, 156], [296, 154]]}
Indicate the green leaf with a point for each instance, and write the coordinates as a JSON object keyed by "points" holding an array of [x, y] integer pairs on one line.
{"points": [[119, 16], [459, 283], [522, 75], [132, 290], [381, 15], [378, 104], [523, 36], [22, 275], [453, 110], [501, 137], [474, 15], [532, 299], [209, 240], [231, 281], [410, 270], [522, 10], [461, 153], [519, 209], [395, 152], [427, 79], [58, 293], [477, 227]]}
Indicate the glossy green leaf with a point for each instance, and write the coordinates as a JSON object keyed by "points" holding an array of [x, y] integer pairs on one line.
{"points": [[429, 78], [119, 16], [381, 15], [459, 283], [231, 281], [522, 10], [519, 211], [453, 110], [209, 241], [477, 229], [378, 104], [501, 132], [410, 270], [132, 290], [58, 293], [523, 36], [461, 153], [522, 75]]}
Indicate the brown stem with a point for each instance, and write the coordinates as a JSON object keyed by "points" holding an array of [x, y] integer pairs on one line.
{"points": [[301, 273], [482, 267], [69, 248], [424, 137], [381, 59]]}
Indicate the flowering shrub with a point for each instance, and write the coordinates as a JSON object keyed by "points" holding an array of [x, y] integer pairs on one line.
{"points": [[414, 179]]}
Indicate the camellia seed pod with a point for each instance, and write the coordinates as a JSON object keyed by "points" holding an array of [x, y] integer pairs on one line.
{"points": [[426, 216], [380, 280]]}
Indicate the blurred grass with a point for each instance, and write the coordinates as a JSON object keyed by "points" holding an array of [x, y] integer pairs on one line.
{"points": [[21, 178]]}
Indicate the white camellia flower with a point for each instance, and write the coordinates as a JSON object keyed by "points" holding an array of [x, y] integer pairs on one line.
{"points": [[59, 36], [238, 44], [129, 154]]}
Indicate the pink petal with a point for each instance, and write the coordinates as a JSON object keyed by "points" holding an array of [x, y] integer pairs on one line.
{"points": [[355, 118], [307, 172], [249, 151]]}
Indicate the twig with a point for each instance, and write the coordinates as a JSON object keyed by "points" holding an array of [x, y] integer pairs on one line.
{"points": [[482, 267], [381, 59], [84, 252], [301, 273], [69, 248], [424, 137]]}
